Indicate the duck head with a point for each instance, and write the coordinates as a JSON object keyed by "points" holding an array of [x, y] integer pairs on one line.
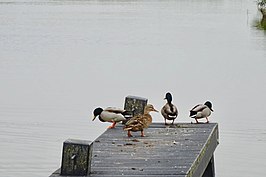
{"points": [[97, 112], [209, 104], [149, 108], [168, 97]]}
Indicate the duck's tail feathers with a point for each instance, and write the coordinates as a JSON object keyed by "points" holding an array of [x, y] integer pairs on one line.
{"points": [[171, 117], [127, 128], [192, 113]]}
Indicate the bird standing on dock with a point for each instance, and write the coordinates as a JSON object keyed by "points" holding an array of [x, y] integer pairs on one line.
{"points": [[138, 123], [201, 111], [169, 110], [109, 114]]}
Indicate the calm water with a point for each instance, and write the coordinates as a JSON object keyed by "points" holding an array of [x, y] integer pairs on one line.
{"points": [[60, 59]]}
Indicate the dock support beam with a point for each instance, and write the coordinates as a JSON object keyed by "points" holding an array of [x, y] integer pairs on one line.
{"points": [[210, 171]]}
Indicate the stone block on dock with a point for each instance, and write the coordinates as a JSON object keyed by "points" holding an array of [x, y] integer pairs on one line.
{"points": [[135, 105], [76, 157]]}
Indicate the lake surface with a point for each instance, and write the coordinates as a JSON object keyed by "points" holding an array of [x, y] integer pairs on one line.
{"points": [[60, 59]]}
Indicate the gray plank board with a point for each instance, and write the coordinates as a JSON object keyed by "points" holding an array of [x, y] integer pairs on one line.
{"points": [[177, 150], [166, 150]]}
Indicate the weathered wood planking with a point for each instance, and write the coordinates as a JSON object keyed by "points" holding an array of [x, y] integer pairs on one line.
{"points": [[182, 150]]}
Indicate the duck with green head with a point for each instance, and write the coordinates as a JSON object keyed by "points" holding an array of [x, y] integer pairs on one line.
{"points": [[109, 114], [201, 111], [169, 110]]}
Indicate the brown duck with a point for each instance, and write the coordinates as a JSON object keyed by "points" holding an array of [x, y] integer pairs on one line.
{"points": [[138, 123]]}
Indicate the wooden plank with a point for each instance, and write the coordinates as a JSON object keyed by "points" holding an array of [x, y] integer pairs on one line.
{"points": [[203, 159], [173, 146], [177, 150], [210, 172]]}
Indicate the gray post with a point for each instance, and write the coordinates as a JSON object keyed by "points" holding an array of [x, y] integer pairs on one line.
{"points": [[76, 158], [135, 105]]}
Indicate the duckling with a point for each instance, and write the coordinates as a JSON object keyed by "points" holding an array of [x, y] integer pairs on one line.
{"points": [[201, 111], [169, 110], [138, 123], [109, 114]]}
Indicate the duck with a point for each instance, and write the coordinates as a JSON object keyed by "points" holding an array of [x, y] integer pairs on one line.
{"points": [[109, 114], [201, 111], [140, 122], [169, 110]]}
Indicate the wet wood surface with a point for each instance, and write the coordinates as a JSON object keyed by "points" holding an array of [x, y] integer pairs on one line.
{"points": [[180, 150]]}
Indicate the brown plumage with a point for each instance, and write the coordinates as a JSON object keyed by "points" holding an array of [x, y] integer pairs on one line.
{"points": [[138, 123]]}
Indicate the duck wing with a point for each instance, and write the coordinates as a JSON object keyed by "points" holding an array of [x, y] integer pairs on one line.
{"points": [[196, 109], [169, 111], [111, 116], [134, 124], [114, 110], [126, 114], [134, 120]]}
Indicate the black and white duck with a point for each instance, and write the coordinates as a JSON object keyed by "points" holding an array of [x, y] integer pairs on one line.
{"points": [[201, 111], [169, 110], [110, 114]]}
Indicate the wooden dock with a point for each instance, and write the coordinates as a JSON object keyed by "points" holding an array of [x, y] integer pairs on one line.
{"points": [[181, 150]]}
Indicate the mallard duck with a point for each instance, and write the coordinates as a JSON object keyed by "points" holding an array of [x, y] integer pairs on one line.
{"points": [[109, 114], [169, 110], [201, 111], [138, 123]]}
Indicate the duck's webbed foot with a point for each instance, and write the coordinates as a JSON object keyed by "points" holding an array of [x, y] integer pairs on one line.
{"points": [[165, 122], [142, 133], [197, 121], [112, 126], [129, 134], [173, 122]]}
